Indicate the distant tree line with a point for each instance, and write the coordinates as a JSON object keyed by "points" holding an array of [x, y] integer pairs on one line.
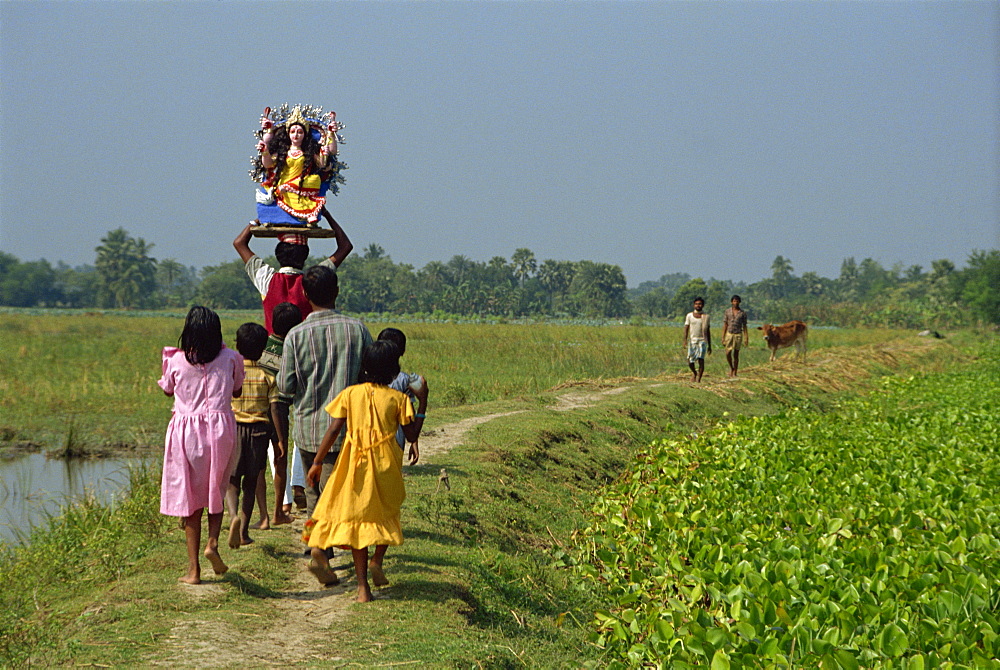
{"points": [[865, 294], [125, 276]]}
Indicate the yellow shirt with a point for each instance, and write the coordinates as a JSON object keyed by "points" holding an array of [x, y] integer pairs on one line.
{"points": [[259, 391]]}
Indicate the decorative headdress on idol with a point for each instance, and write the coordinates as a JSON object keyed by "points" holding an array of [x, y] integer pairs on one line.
{"points": [[323, 128]]}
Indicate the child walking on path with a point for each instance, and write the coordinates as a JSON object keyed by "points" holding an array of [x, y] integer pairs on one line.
{"points": [[201, 375], [360, 504], [405, 382], [284, 317], [253, 410]]}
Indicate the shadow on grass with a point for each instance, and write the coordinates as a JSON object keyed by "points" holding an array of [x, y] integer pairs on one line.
{"points": [[436, 538], [250, 587]]}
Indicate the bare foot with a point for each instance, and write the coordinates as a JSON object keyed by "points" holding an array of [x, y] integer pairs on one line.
{"points": [[189, 579], [235, 530], [324, 574], [213, 557], [263, 524], [244, 541], [378, 576], [282, 519], [364, 593]]}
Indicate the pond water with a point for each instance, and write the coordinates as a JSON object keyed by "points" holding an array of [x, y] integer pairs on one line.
{"points": [[34, 487]]}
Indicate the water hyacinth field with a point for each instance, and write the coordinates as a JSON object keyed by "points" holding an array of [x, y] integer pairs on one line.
{"points": [[867, 537]]}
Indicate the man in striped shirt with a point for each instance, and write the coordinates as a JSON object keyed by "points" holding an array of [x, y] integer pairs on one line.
{"points": [[322, 357]]}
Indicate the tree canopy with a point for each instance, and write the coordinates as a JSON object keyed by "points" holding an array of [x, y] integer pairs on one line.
{"points": [[124, 275]]}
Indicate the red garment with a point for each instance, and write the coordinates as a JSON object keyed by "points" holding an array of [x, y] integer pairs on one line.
{"points": [[285, 288]]}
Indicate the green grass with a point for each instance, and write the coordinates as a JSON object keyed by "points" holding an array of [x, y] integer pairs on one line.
{"points": [[477, 583], [93, 375]]}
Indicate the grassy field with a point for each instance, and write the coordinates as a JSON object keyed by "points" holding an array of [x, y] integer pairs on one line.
{"points": [[86, 382], [481, 580]]}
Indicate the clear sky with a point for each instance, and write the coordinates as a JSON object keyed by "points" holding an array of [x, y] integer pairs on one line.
{"points": [[697, 137]]}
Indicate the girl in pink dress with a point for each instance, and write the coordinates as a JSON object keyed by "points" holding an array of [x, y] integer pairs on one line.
{"points": [[202, 375]]}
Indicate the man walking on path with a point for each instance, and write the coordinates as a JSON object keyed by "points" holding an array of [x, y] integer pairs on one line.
{"points": [[321, 357], [735, 335], [697, 339]]}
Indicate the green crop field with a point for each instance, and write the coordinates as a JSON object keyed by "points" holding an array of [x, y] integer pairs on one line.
{"points": [[85, 382], [866, 536]]}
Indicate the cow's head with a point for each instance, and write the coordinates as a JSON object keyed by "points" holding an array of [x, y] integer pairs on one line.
{"points": [[768, 331]]}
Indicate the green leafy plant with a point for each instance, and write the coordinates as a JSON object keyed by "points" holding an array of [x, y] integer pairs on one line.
{"points": [[863, 537]]}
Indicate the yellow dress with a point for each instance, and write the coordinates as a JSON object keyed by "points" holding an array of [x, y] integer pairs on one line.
{"points": [[360, 503], [303, 202]]}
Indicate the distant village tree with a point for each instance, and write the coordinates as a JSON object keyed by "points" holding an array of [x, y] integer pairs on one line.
{"points": [[126, 272]]}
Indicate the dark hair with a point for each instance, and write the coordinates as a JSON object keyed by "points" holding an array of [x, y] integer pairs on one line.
{"points": [[736, 297], [251, 338], [697, 299], [284, 317], [279, 146], [291, 255], [201, 339], [320, 284], [380, 362], [396, 336]]}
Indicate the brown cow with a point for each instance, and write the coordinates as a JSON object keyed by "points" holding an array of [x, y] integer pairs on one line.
{"points": [[779, 337]]}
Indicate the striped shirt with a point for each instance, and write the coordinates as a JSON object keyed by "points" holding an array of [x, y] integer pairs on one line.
{"points": [[321, 357], [259, 391], [734, 323]]}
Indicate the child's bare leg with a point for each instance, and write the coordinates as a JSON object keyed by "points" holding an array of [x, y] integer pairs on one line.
{"points": [[249, 488], [192, 537], [361, 572], [299, 496], [375, 566], [694, 372], [233, 510], [280, 477], [233, 496], [261, 494], [212, 548]]}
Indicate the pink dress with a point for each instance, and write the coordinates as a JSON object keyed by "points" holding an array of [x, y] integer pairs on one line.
{"points": [[200, 450]]}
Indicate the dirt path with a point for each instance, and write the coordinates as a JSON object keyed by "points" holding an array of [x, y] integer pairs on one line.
{"points": [[297, 629]]}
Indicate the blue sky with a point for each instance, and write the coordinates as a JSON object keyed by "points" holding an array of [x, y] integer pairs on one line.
{"points": [[698, 137]]}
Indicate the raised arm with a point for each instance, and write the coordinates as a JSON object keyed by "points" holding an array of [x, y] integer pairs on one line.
{"points": [[264, 146], [242, 243], [344, 246]]}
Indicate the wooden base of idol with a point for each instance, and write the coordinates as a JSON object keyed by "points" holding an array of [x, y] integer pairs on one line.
{"points": [[275, 231]]}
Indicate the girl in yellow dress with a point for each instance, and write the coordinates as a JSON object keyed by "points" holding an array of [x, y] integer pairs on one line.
{"points": [[359, 505]]}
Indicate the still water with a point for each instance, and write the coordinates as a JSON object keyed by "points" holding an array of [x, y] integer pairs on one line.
{"points": [[33, 487]]}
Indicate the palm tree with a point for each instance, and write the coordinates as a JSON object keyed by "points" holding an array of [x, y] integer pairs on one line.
{"points": [[556, 277], [373, 252], [524, 264], [125, 270]]}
